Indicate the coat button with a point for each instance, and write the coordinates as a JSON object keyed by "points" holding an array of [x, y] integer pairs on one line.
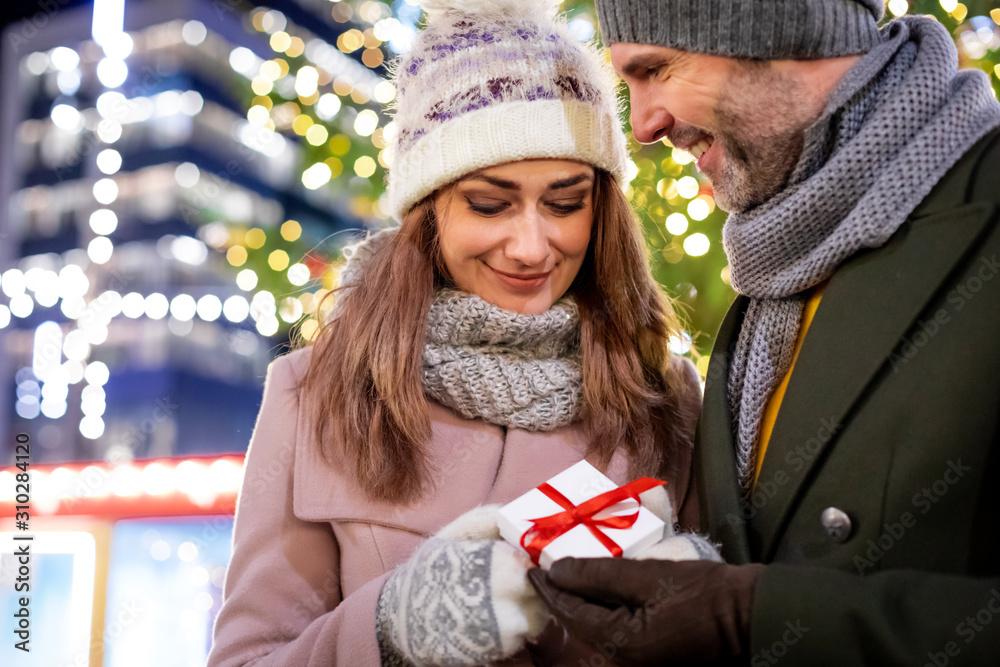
{"points": [[837, 524]]}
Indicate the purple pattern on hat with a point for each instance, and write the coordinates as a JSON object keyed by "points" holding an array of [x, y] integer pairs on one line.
{"points": [[461, 42], [467, 36], [407, 137], [470, 100], [502, 89], [414, 66], [573, 88]]}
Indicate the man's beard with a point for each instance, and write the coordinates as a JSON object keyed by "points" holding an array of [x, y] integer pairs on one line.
{"points": [[755, 167], [761, 135]]}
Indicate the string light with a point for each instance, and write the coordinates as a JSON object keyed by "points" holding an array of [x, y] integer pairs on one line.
{"points": [[291, 230], [687, 187], [183, 307], [278, 260], [236, 255], [316, 176], [696, 245], [236, 309], [255, 238], [298, 275], [364, 166], [698, 209], [246, 279], [676, 223], [209, 307], [109, 161], [366, 122], [158, 487], [66, 118], [194, 32], [64, 59], [156, 306]]}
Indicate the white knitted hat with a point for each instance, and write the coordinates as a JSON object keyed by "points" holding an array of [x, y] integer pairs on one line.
{"points": [[494, 81]]}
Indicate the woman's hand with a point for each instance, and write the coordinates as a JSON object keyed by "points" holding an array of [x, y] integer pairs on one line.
{"points": [[673, 545], [462, 599]]}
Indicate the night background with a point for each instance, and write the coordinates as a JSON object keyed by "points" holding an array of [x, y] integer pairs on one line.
{"points": [[178, 180]]}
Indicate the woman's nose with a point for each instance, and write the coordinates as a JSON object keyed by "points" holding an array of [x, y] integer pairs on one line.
{"points": [[529, 243]]}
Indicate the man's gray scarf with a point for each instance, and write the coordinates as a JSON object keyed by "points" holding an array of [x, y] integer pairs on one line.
{"points": [[901, 118], [484, 362]]}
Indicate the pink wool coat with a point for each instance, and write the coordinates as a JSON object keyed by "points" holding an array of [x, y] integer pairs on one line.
{"points": [[311, 551]]}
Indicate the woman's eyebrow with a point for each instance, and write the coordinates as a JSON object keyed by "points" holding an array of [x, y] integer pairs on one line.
{"points": [[570, 182], [498, 182], [511, 185]]}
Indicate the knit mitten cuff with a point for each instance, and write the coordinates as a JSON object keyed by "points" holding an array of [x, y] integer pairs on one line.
{"points": [[479, 523], [457, 603]]}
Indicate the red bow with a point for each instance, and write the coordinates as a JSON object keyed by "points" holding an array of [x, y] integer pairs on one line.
{"points": [[545, 530]]}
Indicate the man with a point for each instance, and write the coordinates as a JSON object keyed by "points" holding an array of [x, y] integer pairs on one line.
{"points": [[848, 456]]}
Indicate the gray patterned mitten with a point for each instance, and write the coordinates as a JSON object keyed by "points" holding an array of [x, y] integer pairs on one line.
{"points": [[458, 601]]}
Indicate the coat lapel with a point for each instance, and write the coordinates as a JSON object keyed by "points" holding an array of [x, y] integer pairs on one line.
{"points": [[714, 454], [465, 455], [869, 305], [473, 463]]}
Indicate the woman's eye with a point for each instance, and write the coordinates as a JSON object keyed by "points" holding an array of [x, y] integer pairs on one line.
{"points": [[487, 208], [566, 208]]}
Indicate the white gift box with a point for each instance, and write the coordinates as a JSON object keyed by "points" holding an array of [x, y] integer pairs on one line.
{"points": [[578, 484]]}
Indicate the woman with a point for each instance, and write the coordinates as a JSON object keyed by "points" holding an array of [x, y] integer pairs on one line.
{"points": [[506, 330]]}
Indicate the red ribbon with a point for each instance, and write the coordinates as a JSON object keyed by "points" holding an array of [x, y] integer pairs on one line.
{"points": [[547, 529]]}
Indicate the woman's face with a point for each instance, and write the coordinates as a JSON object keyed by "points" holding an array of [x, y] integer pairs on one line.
{"points": [[515, 235]]}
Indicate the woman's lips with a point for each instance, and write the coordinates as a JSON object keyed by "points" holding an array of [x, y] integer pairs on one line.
{"points": [[521, 283]]}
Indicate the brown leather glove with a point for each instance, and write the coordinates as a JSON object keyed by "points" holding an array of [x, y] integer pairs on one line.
{"points": [[646, 612]]}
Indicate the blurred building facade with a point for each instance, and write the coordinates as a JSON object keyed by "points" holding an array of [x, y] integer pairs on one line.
{"points": [[127, 331], [179, 178]]}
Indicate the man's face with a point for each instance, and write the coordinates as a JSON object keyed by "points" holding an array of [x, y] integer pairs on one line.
{"points": [[743, 121]]}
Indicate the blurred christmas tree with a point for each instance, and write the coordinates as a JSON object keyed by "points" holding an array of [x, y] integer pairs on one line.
{"points": [[322, 86], [335, 108]]}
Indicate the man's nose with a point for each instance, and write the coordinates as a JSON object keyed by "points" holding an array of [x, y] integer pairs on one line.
{"points": [[650, 119], [529, 244]]}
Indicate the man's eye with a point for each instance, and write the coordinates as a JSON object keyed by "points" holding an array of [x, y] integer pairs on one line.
{"points": [[657, 72], [487, 208], [566, 208]]}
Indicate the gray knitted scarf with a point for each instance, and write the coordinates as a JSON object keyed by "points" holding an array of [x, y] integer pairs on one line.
{"points": [[509, 369], [900, 119], [514, 370]]}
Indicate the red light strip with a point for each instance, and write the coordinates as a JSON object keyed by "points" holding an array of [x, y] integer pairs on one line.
{"points": [[153, 487]]}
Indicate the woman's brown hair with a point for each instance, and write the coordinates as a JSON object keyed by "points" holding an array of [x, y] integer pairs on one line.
{"points": [[363, 391]]}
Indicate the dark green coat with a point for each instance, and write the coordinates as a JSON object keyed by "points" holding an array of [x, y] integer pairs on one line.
{"points": [[892, 415]]}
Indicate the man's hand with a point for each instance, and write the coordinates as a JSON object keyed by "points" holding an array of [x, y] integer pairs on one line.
{"points": [[653, 611]]}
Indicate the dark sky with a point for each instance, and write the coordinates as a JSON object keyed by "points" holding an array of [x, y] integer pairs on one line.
{"points": [[15, 11], [11, 12]]}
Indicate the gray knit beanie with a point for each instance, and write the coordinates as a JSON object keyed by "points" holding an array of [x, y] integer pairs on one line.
{"points": [[767, 29]]}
